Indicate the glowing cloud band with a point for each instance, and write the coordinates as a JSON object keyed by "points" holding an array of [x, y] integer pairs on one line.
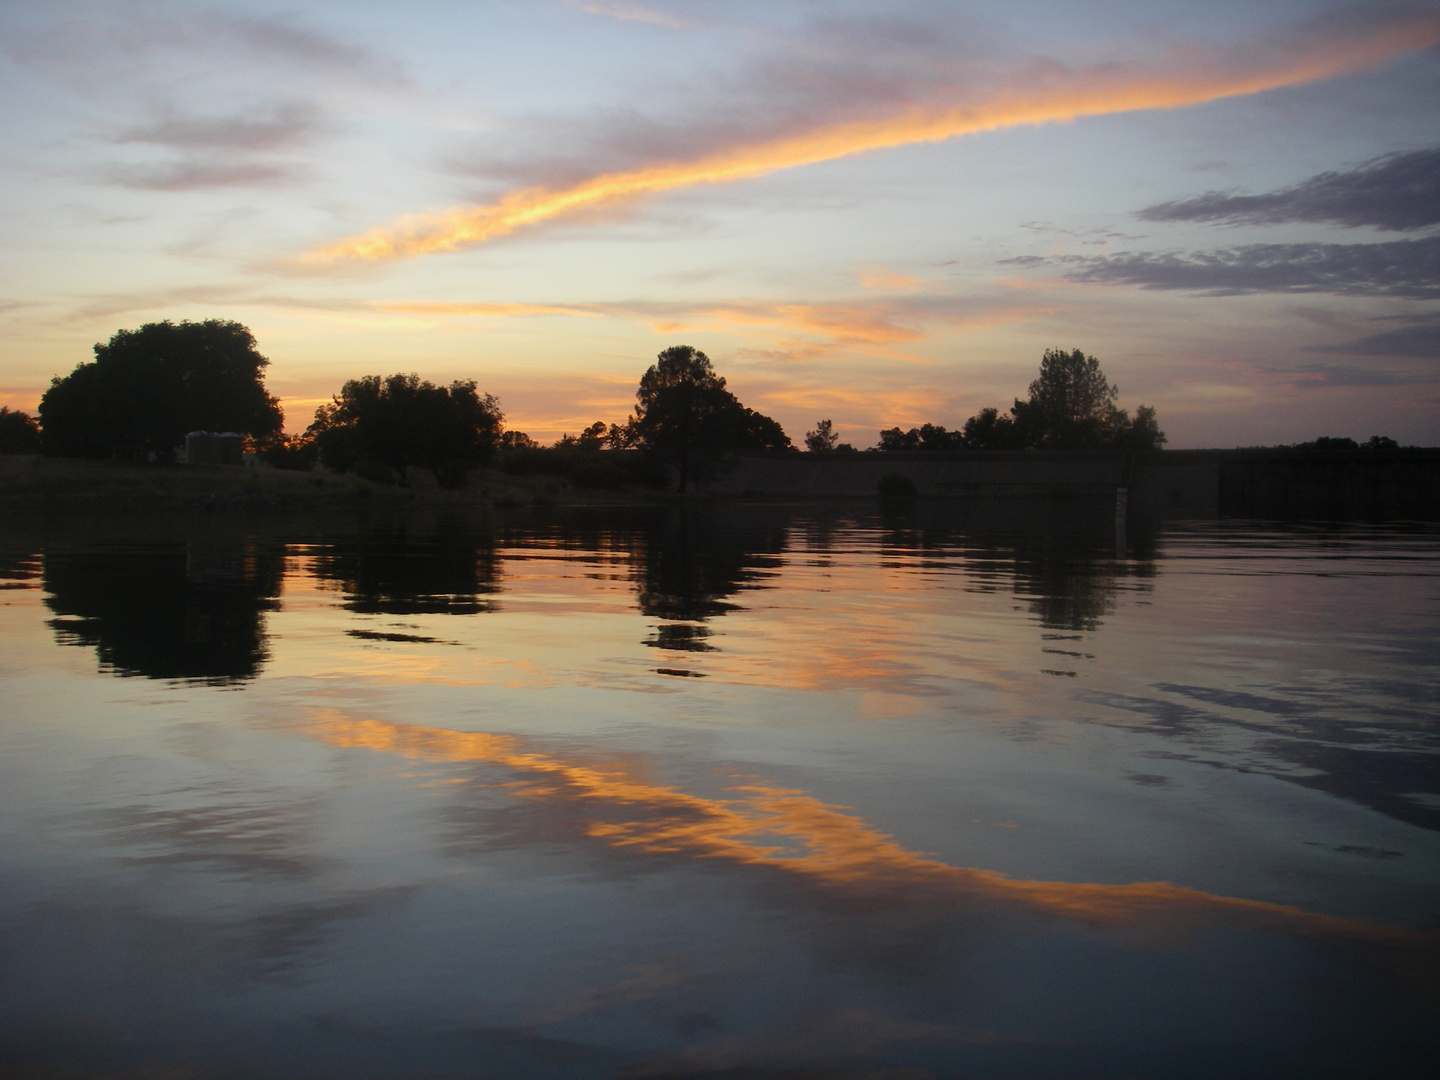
{"points": [[1061, 96]]}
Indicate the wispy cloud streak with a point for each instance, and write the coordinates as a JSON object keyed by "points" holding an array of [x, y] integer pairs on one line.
{"points": [[614, 9], [1040, 93], [1395, 192], [283, 124], [1406, 268], [1419, 340]]}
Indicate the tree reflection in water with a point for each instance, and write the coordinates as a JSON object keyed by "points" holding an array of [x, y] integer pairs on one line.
{"points": [[189, 612], [1057, 555], [191, 607], [415, 567], [691, 560]]}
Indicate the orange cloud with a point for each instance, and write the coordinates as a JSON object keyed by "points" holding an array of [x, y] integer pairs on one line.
{"points": [[878, 279], [630, 12], [1038, 96], [794, 833], [861, 322], [487, 311], [850, 323]]}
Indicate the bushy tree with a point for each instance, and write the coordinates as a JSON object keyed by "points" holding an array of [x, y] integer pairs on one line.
{"points": [[1141, 433], [147, 388], [594, 437], [296, 452], [516, 440], [685, 416], [1071, 407], [822, 439], [990, 429], [380, 426], [929, 437], [19, 433]]}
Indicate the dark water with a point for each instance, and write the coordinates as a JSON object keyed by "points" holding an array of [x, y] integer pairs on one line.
{"points": [[756, 792]]}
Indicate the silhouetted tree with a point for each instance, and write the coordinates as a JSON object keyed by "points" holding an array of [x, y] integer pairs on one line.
{"points": [[516, 440], [148, 388], [990, 429], [1141, 433], [822, 439], [298, 452], [594, 437], [931, 437], [19, 433], [377, 426], [686, 417], [1071, 407]]}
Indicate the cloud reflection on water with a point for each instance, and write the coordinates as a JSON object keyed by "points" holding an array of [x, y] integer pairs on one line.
{"points": [[784, 830]]}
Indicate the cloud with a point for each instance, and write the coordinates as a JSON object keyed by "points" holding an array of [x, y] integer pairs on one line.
{"points": [[486, 310], [1329, 376], [860, 108], [878, 279], [200, 175], [282, 39], [1408, 268], [1396, 192], [97, 50], [865, 322], [1421, 340], [226, 93], [219, 151], [615, 9], [280, 125]]}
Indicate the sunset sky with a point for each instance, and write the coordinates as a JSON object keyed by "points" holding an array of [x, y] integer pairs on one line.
{"points": [[877, 212]]}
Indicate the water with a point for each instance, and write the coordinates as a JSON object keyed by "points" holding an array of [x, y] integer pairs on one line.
{"points": [[755, 792]]}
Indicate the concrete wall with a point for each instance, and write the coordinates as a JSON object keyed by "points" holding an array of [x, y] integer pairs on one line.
{"points": [[859, 475], [1170, 484]]}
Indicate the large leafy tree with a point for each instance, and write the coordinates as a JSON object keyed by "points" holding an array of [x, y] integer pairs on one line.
{"points": [[687, 418], [147, 388], [383, 425]]}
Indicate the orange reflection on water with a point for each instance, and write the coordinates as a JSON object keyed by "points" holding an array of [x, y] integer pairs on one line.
{"points": [[795, 833]]}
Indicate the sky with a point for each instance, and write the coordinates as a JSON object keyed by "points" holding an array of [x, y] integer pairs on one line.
{"points": [[880, 212]]}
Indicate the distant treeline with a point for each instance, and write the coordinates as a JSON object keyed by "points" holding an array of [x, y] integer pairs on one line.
{"points": [[148, 388]]}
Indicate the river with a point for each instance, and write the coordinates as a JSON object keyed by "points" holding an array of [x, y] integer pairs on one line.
{"points": [[732, 791]]}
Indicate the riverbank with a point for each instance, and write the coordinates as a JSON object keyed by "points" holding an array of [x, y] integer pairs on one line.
{"points": [[1386, 485], [33, 482]]}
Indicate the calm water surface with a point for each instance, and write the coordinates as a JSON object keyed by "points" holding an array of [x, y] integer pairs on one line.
{"points": [[760, 792]]}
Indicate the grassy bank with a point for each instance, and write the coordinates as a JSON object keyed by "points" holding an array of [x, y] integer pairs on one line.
{"points": [[35, 482]]}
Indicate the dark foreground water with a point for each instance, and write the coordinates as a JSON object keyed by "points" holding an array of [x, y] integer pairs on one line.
{"points": [[760, 792]]}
